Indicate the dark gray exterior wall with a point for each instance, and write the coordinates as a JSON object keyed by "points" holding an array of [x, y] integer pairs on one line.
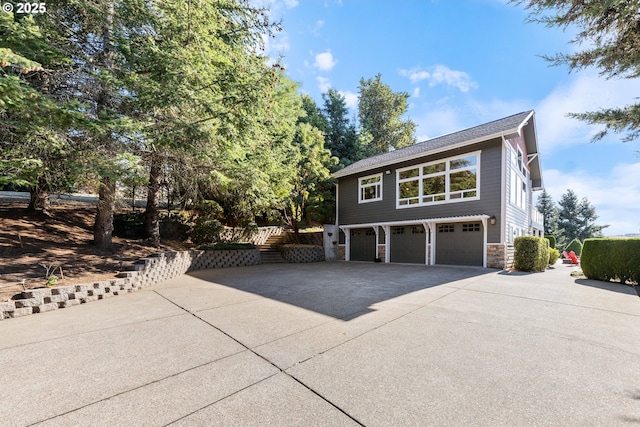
{"points": [[351, 212]]}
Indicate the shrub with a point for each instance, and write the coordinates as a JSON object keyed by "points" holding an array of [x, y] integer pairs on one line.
{"points": [[575, 246], [128, 224], [206, 230], [554, 254], [611, 259], [532, 253], [552, 241]]}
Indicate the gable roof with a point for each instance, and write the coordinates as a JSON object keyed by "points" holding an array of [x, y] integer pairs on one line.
{"points": [[507, 127]]}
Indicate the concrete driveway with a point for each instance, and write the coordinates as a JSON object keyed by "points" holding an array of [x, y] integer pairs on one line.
{"points": [[332, 344]]}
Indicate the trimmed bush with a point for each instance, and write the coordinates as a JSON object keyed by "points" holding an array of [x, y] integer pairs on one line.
{"points": [[532, 253], [554, 254], [575, 246], [552, 241], [611, 259]]}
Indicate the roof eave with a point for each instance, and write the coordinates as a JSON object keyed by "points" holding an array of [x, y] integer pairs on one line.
{"points": [[504, 134]]}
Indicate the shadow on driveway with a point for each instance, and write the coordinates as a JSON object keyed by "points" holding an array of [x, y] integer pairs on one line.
{"points": [[610, 286], [338, 289]]}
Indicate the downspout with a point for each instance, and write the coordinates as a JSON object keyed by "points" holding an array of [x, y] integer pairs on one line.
{"points": [[337, 199], [484, 250]]}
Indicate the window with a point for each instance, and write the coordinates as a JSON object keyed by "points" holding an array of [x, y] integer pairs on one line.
{"points": [[370, 188], [522, 167], [519, 180], [448, 180], [417, 230], [475, 226], [446, 228]]}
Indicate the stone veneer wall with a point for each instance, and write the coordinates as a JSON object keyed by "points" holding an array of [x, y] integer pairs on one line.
{"points": [[302, 253], [145, 272], [497, 256]]}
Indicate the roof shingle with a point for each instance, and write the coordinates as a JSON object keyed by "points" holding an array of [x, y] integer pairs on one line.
{"points": [[473, 134]]}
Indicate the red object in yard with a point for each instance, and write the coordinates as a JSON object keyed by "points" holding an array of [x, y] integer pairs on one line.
{"points": [[574, 258]]}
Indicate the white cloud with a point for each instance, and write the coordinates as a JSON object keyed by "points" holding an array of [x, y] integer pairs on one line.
{"points": [[276, 45], [614, 193], [436, 121], [585, 92], [416, 92], [323, 83], [324, 61], [350, 98], [274, 7], [441, 74], [441, 117]]}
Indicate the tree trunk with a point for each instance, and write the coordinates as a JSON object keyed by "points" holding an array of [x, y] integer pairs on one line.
{"points": [[103, 227], [40, 198], [152, 212]]}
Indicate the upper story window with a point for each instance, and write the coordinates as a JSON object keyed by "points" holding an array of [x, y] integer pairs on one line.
{"points": [[448, 180], [370, 188], [520, 161], [519, 180]]}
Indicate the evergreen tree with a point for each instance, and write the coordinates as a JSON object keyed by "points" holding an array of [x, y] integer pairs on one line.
{"points": [[609, 33], [547, 208], [588, 218], [36, 151], [313, 114], [312, 173], [380, 112], [221, 88], [576, 219], [341, 136]]}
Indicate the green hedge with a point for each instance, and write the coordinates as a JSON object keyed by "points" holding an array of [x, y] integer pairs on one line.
{"points": [[554, 254], [575, 246], [532, 253], [552, 241], [611, 259]]}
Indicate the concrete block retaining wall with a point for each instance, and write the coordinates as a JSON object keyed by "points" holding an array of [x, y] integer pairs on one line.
{"points": [[302, 253], [143, 273]]}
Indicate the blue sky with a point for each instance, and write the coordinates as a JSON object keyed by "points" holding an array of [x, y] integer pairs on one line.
{"points": [[466, 62]]}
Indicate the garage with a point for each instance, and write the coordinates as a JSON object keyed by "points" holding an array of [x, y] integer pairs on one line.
{"points": [[459, 244], [363, 244], [408, 244]]}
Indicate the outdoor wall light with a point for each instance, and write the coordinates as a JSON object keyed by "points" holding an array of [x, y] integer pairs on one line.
{"points": [[387, 172], [492, 220]]}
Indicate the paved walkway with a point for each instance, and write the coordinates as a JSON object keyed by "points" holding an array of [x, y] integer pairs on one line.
{"points": [[332, 344]]}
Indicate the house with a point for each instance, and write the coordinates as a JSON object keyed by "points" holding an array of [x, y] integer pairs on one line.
{"points": [[458, 199]]}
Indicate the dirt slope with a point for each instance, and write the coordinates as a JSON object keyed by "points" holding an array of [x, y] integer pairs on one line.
{"points": [[29, 243]]}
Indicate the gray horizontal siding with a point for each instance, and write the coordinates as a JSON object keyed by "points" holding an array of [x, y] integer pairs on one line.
{"points": [[351, 212], [514, 215]]}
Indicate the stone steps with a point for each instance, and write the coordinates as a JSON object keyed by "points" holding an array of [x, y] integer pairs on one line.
{"points": [[270, 250], [271, 257]]}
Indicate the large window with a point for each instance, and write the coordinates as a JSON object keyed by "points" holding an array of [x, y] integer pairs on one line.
{"points": [[519, 180], [370, 188], [447, 180]]}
